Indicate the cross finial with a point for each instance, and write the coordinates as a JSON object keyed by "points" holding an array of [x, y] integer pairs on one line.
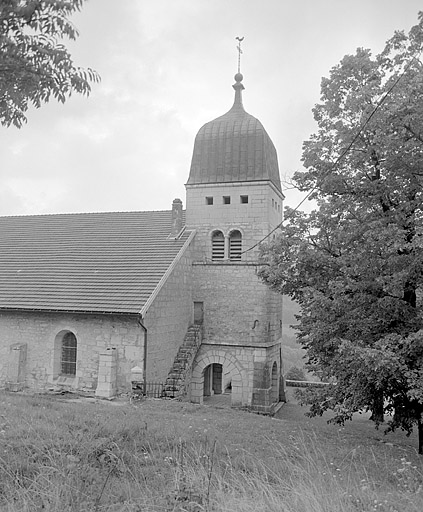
{"points": [[239, 39]]}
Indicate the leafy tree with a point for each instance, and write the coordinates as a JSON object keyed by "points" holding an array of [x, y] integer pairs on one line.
{"points": [[355, 263], [295, 373], [34, 66]]}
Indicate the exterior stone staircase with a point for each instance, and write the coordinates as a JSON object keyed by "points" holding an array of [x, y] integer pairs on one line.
{"points": [[179, 377]]}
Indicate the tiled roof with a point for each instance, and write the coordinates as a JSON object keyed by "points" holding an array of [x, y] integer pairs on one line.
{"points": [[92, 262], [234, 147]]}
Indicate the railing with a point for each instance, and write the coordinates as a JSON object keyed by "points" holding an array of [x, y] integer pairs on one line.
{"points": [[153, 389], [305, 384]]}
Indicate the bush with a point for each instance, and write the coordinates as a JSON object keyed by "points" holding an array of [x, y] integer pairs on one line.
{"points": [[295, 373]]}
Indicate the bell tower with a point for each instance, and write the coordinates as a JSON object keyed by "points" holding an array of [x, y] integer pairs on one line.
{"points": [[234, 200]]}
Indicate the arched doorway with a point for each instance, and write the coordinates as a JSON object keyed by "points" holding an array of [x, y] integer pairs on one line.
{"points": [[213, 379], [217, 370]]}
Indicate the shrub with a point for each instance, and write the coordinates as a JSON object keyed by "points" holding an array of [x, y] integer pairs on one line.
{"points": [[295, 373]]}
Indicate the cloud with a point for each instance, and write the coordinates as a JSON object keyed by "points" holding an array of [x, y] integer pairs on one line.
{"points": [[167, 68]]}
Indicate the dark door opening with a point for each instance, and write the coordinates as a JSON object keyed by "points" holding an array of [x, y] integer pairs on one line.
{"points": [[213, 379], [198, 313]]}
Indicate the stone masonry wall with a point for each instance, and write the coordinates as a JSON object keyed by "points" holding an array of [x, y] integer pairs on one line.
{"points": [[238, 308], [168, 319], [94, 333], [249, 369], [254, 219]]}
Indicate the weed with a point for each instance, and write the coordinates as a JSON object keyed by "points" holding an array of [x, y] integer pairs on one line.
{"points": [[173, 457]]}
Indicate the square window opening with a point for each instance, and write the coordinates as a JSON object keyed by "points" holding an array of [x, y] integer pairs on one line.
{"points": [[226, 199], [244, 199], [209, 200]]}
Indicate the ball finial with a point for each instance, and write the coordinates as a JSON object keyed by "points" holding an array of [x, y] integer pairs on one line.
{"points": [[238, 77]]}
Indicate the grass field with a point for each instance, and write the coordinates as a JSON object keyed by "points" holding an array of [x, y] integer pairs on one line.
{"points": [[85, 455]]}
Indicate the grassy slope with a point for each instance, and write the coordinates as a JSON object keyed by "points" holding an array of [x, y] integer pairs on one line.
{"points": [[81, 456]]}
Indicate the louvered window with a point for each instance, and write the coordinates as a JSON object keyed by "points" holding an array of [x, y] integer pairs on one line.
{"points": [[235, 245], [218, 246], [69, 354]]}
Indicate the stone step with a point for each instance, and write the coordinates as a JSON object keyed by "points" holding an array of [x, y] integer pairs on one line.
{"points": [[188, 346], [171, 389], [181, 359], [185, 349], [174, 376], [186, 353], [178, 366], [169, 394]]}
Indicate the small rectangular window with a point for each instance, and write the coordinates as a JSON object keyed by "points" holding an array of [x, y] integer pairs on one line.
{"points": [[226, 199], [244, 199], [209, 200]]}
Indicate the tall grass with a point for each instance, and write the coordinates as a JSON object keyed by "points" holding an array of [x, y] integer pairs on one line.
{"points": [[72, 457]]}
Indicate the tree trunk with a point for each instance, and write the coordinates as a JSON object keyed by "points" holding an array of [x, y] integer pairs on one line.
{"points": [[377, 408]]}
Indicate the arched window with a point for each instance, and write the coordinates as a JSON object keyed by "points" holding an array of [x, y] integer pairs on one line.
{"points": [[235, 245], [68, 359], [218, 246]]}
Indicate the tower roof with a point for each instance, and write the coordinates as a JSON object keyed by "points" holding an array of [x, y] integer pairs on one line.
{"points": [[233, 148]]}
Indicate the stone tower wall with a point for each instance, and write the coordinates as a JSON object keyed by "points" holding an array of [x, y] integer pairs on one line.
{"points": [[238, 308], [254, 219]]}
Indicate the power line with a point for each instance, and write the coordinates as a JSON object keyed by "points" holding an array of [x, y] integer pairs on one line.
{"points": [[342, 155]]}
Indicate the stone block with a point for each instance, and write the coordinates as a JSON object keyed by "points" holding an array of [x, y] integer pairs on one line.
{"points": [[107, 374]]}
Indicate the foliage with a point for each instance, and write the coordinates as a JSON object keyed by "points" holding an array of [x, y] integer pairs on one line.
{"points": [[355, 263], [295, 373], [34, 65]]}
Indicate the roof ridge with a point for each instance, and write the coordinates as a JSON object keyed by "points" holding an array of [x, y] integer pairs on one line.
{"points": [[26, 215]]}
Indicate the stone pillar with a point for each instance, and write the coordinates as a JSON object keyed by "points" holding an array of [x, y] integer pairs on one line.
{"points": [[226, 248], [282, 393], [107, 374], [239, 393], [16, 367]]}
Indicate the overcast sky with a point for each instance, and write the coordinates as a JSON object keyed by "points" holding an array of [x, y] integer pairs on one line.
{"points": [[167, 68]]}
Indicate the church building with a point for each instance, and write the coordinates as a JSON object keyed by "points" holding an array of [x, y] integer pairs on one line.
{"points": [[103, 302]]}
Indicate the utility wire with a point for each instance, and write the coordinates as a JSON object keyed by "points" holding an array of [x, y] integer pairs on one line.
{"points": [[342, 155]]}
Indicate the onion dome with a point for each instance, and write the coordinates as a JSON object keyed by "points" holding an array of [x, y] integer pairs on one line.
{"points": [[234, 148]]}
